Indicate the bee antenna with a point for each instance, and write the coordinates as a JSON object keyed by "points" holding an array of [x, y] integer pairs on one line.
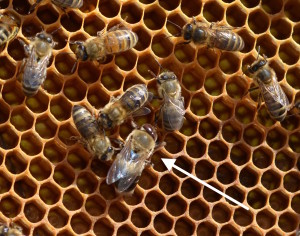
{"points": [[175, 24], [54, 31], [258, 51], [159, 64], [152, 73], [74, 67]]}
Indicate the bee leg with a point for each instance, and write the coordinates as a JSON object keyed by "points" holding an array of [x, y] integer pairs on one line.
{"points": [[119, 142], [259, 102], [133, 124], [250, 90], [34, 6], [156, 117], [159, 145]]}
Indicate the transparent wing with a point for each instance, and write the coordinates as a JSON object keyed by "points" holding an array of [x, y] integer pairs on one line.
{"points": [[174, 108], [141, 112]]}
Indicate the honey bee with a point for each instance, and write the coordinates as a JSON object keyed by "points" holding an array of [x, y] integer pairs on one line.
{"points": [[129, 104], [96, 141], [213, 35], [114, 41], [270, 91], [61, 3], [14, 230], [133, 158], [9, 28], [34, 67]]}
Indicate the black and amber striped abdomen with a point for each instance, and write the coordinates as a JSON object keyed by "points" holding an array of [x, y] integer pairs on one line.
{"points": [[172, 116], [226, 40], [85, 123], [134, 98], [119, 41], [7, 32], [68, 3]]}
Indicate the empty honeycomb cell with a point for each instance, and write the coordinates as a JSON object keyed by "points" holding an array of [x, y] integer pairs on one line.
{"points": [[229, 230], [135, 198], [189, 126], [245, 112], [214, 83], [295, 203], [288, 53], [103, 227], [30, 144], [291, 10], [107, 191], [184, 53], [294, 140], [223, 108], [176, 206], [20, 6], [288, 222], [276, 138], [226, 173], [217, 150], [73, 200], [272, 7], [235, 16], [40, 168], [49, 193], [93, 24], [191, 9], [126, 230], [279, 201], [270, 180], [184, 226], [38, 103], [296, 33], [207, 59], [212, 196], [30, 28], [4, 4], [183, 163], [204, 169], [162, 223], [207, 228], [54, 152], [53, 83], [200, 104], [45, 127], [5, 183], [168, 184], [213, 11], [10, 207], [221, 213], [94, 205], [5, 110], [24, 187], [229, 63], [118, 212], [264, 117], [267, 46], [80, 223], [109, 9], [236, 87], [258, 21], [42, 230], [291, 182], [174, 143], [12, 93], [169, 5], [75, 89], [60, 108], [273, 233], [198, 210], [147, 180], [131, 12], [33, 211], [71, 21], [9, 139], [253, 135], [256, 198], [99, 167], [161, 46], [21, 119], [252, 232], [140, 217], [235, 193], [154, 201], [248, 177], [111, 79], [64, 63], [265, 219], [15, 162], [291, 77], [195, 148], [16, 50], [59, 38], [47, 14], [154, 18], [284, 160], [144, 38], [248, 39], [57, 217], [86, 183], [242, 217], [280, 29], [208, 128]]}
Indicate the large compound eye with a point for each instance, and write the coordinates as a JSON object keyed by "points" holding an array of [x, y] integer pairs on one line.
{"points": [[41, 36], [49, 39], [173, 76], [150, 130]]}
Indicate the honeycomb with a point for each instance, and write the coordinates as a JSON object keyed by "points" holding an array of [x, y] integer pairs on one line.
{"points": [[50, 185]]}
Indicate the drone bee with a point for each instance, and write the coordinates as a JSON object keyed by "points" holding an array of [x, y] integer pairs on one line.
{"points": [[275, 99], [34, 67], [61, 3], [129, 104], [114, 41], [10, 231], [213, 35], [9, 28], [96, 141], [133, 158]]}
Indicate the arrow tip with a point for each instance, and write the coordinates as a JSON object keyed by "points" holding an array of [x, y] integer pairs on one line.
{"points": [[169, 163]]}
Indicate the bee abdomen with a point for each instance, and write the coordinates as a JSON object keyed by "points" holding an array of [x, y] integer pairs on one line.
{"points": [[29, 91], [119, 41], [68, 3], [4, 34], [229, 41], [172, 120], [84, 121], [277, 111], [135, 97]]}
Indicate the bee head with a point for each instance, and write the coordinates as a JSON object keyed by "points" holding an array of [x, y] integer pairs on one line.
{"points": [[256, 66], [45, 37], [108, 154], [150, 130], [105, 121], [166, 76], [188, 32], [5, 230], [81, 52]]}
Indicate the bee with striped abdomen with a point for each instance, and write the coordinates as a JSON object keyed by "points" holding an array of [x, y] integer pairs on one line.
{"points": [[93, 138], [275, 99], [13, 230], [9, 28], [114, 41], [129, 104], [34, 67], [61, 3]]}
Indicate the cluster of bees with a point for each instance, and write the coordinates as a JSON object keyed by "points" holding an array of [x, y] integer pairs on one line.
{"points": [[134, 154]]}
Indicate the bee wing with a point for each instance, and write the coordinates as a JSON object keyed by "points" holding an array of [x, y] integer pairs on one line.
{"points": [[178, 111], [141, 112], [276, 92]]}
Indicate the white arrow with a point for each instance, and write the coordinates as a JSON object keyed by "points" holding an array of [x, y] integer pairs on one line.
{"points": [[170, 163]]}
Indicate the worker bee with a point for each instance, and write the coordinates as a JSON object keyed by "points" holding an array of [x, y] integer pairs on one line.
{"points": [[129, 104], [61, 3], [213, 35], [34, 67], [133, 158], [94, 138], [9, 28], [114, 41], [275, 99], [14, 230]]}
